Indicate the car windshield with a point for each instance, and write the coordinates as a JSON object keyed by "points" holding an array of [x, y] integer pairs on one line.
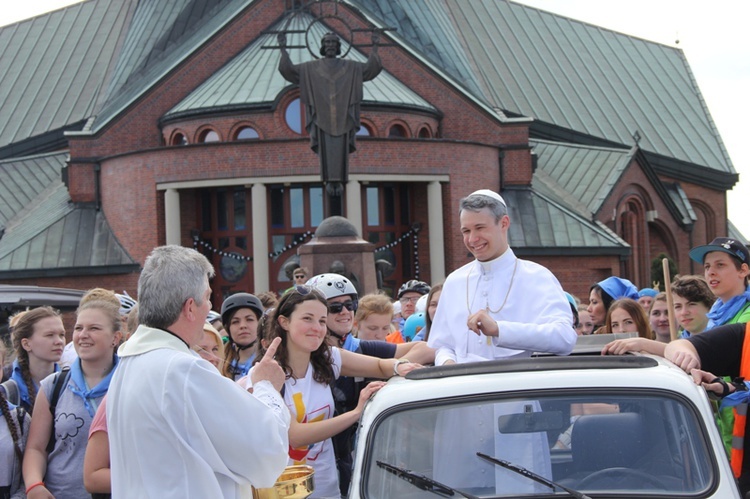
{"points": [[619, 441]]}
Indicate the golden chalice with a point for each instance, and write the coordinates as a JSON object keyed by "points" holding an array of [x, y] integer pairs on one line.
{"points": [[296, 482]]}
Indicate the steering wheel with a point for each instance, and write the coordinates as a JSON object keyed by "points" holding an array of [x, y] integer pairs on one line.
{"points": [[619, 477]]}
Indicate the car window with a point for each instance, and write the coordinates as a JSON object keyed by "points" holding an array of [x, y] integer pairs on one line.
{"points": [[614, 441]]}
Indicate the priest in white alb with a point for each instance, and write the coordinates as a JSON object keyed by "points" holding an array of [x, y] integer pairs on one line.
{"points": [[496, 307]]}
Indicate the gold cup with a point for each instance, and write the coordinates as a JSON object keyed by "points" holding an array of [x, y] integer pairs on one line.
{"points": [[296, 482]]}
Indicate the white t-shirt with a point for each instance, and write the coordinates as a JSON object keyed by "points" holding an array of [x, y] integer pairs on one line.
{"points": [[309, 401]]}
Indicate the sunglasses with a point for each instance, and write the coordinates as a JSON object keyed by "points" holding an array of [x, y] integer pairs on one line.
{"points": [[300, 276], [337, 306]]}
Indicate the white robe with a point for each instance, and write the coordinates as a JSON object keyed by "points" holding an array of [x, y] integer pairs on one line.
{"points": [[177, 428], [535, 318]]}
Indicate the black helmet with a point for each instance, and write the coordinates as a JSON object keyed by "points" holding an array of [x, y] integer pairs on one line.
{"points": [[238, 301], [414, 286]]}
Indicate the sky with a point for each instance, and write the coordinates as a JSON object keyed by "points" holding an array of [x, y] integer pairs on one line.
{"points": [[713, 35]]}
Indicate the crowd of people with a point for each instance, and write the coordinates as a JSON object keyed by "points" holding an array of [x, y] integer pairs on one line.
{"points": [[125, 408]]}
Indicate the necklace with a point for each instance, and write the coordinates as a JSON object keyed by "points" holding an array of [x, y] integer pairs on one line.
{"points": [[507, 293]]}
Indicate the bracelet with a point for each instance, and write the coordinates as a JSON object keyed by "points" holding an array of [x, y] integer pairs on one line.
{"points": [[398, 363], [31, 487]]}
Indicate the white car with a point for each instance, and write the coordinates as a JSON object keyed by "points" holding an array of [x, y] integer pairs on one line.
{"points": [[577, 426]]}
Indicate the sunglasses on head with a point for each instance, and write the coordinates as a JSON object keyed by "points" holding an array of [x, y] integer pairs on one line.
{"points": [[337, 306]]}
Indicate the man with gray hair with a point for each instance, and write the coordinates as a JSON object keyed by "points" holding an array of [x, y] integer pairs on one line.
{"points": [[498, 306], [495, 307], [177, 428]]}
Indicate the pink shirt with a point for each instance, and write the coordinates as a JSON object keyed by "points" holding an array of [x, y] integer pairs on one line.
{"points": [[99, 423]]}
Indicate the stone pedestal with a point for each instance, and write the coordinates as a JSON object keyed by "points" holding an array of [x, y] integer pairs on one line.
{"points": [[338, 248]]}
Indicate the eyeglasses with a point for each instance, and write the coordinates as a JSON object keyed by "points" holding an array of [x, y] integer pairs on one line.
{"points": [[303, 289], [413, 299], [337, 306]]}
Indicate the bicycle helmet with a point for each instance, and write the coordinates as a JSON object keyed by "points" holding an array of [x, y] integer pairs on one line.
{"points": [[236, 302], [413, 325], [421, 305], [126, 302], [414, 286], [333, 285], [213, 317]]}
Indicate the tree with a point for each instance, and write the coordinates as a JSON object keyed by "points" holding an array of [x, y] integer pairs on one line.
{"points": [[657, 274]]}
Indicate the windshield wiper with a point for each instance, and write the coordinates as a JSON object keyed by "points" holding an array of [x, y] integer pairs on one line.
{"points": [[532, 476], [423, 482]]}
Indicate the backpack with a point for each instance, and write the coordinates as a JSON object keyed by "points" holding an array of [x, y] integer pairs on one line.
{"points": [[60, 380], [10, 387]]}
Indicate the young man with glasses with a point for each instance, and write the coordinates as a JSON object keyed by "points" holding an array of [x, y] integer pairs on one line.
{"points": [[408, 295]]}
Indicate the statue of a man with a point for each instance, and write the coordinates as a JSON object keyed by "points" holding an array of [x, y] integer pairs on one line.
{"points": [[331, 91]]}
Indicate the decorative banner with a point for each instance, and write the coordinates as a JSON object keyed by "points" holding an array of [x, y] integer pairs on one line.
{"points": [[412, 232], [298, 239]]}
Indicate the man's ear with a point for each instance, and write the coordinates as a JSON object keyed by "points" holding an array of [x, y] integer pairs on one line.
{"points": [[189, 309]]}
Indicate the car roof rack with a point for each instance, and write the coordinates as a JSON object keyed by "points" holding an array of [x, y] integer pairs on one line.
{"points": [[532, 364]]}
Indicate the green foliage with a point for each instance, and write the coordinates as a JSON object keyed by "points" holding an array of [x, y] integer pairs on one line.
{"points": [[657, 273]]}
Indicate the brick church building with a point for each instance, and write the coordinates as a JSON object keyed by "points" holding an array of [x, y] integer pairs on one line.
{"points": [[128, 124]]}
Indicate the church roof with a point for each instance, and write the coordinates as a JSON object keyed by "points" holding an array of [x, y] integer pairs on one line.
{"points": [[252, 78], [573, 78], [586, 174], [52, 69], [43, 230], [543, 225]]}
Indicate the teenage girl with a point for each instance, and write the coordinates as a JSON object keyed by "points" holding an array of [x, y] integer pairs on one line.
{"points": [[59, 473], [311, 366], [240, 314], [38, 338]]}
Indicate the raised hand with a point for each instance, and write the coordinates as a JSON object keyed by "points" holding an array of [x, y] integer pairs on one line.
{"points": [[268, 369]]}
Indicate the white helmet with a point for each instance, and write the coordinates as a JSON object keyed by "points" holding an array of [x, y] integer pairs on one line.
{"points": [[333, 285], [421, 305], [126, 303]]}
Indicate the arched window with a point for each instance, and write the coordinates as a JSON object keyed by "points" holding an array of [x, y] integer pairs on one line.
{"points": [[247, 133], [424, 133], [209, 136], [397, 132], [179, 139], [364, 131], [294, 116]]}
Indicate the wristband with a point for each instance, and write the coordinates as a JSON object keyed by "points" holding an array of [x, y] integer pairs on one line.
{"points": [[33, 486], [398, 363]]}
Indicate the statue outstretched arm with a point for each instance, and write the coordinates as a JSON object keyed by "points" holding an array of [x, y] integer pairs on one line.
{"points": [[288, 70]]}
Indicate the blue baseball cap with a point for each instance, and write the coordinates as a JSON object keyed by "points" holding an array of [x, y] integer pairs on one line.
{"points": [[617, 288], [648, 292]]}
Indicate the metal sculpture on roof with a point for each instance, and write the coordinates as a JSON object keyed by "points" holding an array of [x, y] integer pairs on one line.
{"points": [[331, 92]]}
